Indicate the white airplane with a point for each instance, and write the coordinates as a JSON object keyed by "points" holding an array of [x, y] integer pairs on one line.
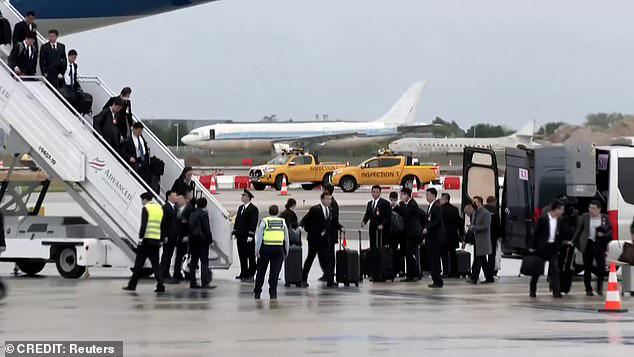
{"points": [[422, 146], [334, 134]]}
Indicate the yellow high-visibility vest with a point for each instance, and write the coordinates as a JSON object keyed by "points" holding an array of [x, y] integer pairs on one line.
{"points": [[273, 231], [154, 218]]}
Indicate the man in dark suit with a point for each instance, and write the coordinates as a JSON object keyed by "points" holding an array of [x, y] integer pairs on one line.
{"points": [[244, 231], [408, 209], [24, 27], [70, 75], [378, 212], [546, 242], [169, 231], [594, 231], [124, 117], [136, 152], [105, 123], [23, 56], [434, 233], [333, 236], [53, 59], [199, 241], [496, 230], [319, 222], [454, 228]]}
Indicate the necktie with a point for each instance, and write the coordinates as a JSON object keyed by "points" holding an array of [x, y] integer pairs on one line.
{"points": [[140, 154], [327, 213], [71, 75], [54, 47]]}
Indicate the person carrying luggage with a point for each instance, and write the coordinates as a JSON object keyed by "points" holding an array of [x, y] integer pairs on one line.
{"points": [[292, 223], [546, 243], [378, 213], [481, 228], [105, 123], [434, 233], [271, 248], [593, 233], [199, 241], [408, 209]]}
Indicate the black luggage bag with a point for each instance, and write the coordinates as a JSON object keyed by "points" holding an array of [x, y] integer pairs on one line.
{"points": [[382, 261], [463, 263], [566, 269], [532, 265], [348, 266], [84, 103], [293, 266]]}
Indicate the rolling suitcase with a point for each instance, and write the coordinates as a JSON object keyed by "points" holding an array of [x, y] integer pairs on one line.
{"points": [[566, 269], [382, 261], [293, 266], [348, 266], [463, 263]]}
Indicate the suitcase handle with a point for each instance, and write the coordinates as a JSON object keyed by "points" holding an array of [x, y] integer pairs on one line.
{"points": [[359, 241], [341, 234]]}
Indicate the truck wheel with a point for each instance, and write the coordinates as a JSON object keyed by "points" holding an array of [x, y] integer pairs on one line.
{"points": [[66, 264], [258, 186], [31, 267], [308, 186], [278, 182], [327, 179], [408, 182], [348, 184]]}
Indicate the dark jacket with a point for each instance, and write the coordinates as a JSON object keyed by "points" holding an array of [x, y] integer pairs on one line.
{"points": [[200, 232], [182, 188], [411, 218], [20, 30], [169, 224], [290, 218], [316, 224], [496, 228], [246, 222], [582, 233], [124, 116], [105, 125], [128, 151], [541, 235], [19, 57], [379, 216], [183, 227], [454, 226], [435, 226], [53, 62]]}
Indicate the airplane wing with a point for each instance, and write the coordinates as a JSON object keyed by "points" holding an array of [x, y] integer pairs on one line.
{"points": [[315, 139]]}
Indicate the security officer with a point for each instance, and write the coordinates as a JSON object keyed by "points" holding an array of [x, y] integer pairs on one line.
{"points": [[271, 246], [150, 235]]}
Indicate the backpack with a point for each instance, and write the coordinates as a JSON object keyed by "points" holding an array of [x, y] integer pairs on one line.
{"points": [[397, 225]]}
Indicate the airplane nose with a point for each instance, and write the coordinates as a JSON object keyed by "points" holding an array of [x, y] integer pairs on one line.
{"points": [[187, 139]]}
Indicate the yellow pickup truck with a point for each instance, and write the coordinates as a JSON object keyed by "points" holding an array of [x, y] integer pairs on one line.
{"points": [[385, 169], [298, 167]]}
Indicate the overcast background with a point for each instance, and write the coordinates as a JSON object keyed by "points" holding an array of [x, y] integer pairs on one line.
{"points": [[484, 61]]}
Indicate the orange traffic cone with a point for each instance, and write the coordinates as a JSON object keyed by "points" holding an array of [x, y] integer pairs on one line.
{"points": [[284, 191], [613, 296], [415, 188], [212, 186]]}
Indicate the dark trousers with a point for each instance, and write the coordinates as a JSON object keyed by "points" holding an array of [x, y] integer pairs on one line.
{"points": [[433, 256], [166, 257], [273, 255], [412, 259], [553, 270], [246, 252], [181, 250], [452, 263], [199, 254], [480, 262], [491, 260], [399, 257], [373, 233], [146, 251], [593, 252], [324, 251], [444, 258]]}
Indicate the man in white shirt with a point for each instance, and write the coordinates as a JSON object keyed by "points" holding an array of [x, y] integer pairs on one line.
{"points": [[136, 152], [70, 75], [546, 243]]}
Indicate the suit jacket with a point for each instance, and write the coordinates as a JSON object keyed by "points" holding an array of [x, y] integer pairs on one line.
{"points": [[435, 226], [246, 222], [381, 215], [496, 228], [20, 30], [481, 227], [124, 116], [53, 62], [128, 150], [290, 218], [541, 235], [105, 125], [454, 226], [411, 218], [19, 57], [200, 216], [582, 233], [181, 187], [316, 224], [169, 224]]}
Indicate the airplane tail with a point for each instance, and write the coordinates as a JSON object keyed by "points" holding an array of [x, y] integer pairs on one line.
{"points": [[404, 110], [525, 133]]}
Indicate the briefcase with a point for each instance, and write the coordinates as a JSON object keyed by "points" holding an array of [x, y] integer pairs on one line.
{"points": [[532, 265]]}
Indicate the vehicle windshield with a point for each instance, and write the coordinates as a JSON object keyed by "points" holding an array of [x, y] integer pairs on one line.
{"points": [[278, 160]]}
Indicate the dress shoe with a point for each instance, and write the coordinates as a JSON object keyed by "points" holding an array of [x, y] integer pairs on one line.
{"points": [[273, 297], [208, 287], [557, 295], [304, 284], [532, 294], [178, 277], [160, 289], [247, 280], [240, 277], [434, 286], [471, 281], [257, 296], [127, 288], [589, 293], [172, 281], [323, 278]]}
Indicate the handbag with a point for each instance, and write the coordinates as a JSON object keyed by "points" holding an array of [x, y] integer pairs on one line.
{"points": [[532, 265]]}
